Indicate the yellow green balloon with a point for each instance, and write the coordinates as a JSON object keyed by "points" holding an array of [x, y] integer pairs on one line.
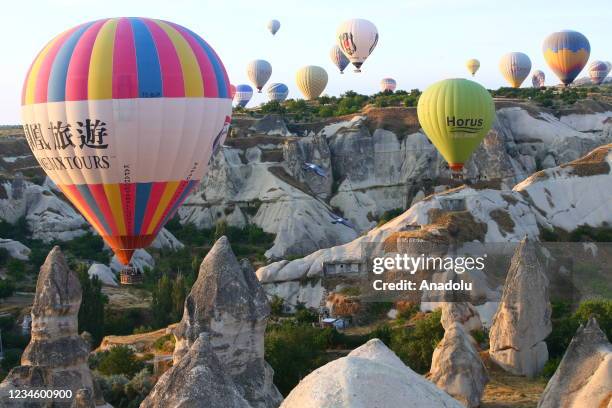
{"points": [[472, 65], [456, 115]]}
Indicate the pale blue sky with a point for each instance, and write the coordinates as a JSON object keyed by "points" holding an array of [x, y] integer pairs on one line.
{"points": [[421, 41]]}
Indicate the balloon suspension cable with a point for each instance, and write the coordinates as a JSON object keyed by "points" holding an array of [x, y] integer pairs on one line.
{"points": [[357, 70]]}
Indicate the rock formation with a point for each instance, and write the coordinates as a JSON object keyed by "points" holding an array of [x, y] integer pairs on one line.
{"points": [[228, 304], [457, 368], [522, 321], [104, 273], [370, 376], [56, 357], [460, 312], [584, 376], [198, 380]]}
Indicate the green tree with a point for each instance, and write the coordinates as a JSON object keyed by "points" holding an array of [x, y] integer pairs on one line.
{"points": [[179, 292], [162, 301], [91, 312], [119, 360]]}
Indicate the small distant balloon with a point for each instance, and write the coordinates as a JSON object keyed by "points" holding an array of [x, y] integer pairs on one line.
{"points": [[357, 38], [244, 93], [338, 58], [311, 81], [566, 53], [388, 84], [472, 66], [538, 78], [273, 26], [598, 71], [515, 67], [278, 92], [258, 72]]}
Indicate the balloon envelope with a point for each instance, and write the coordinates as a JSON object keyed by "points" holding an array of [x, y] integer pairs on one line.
{"points": [[311, 81], [472, 65], [338, 58], [273, 26], [232, 90], [258, 72], [244, 93], [357, 38], [598, 71], [566, 53], [515, 67], [538, 78], [278, 92], [456, 115], [123, 115], [387, 84]]}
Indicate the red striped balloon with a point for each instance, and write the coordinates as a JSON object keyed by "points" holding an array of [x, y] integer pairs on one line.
{"points": [[124, 114]]}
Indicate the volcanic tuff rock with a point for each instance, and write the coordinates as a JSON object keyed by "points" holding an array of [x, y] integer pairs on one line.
{"points": [[15, 249], [56, 357], [104, 273], [565, 196], [457, 368], [460, 312], [230, 306], [369, 376], [522, 321], [376, 161], [198, 380], [584, 376]]}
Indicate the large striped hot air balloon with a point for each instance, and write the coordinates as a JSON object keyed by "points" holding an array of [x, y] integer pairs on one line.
{"points": [[258, 72], [123, 115], [311, 81], [472, 65], [566, 53], [244, 93], [538, 78], [515, 67], [598, 71], [388, 84], [357, 38], [278, 92], [456, 115], [338, 58]]}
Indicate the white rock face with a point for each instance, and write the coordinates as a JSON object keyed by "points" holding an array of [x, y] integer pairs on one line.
{"points": [[370, 376], [15, 249], [457, 368], [522, 321], [166, 240], [460, 312], [104, 273], [584, 376], [559, 197], [48, 217]]}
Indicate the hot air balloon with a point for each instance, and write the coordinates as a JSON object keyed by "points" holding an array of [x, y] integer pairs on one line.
{"points": [[566, 53], [311, 80], [387, 84], [258, 72], [538, 78], [456, 114], [472, 65], [278, 92], [598, 71], [243, 95], [338, 58], [273, 26], [515, 67], [357, 39], [232, 90], [123, 115]]}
